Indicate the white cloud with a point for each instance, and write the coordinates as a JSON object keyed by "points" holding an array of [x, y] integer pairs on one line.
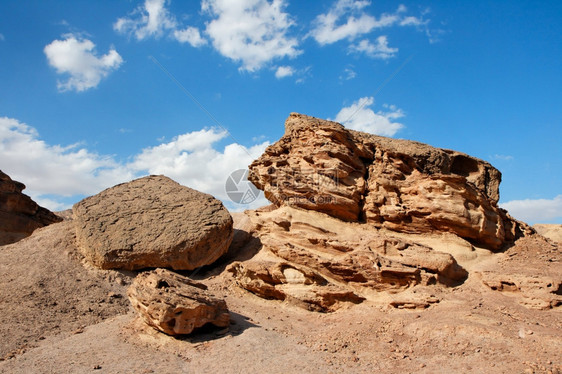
{"points": [[413, 21], [535, 210], [77, 58], [284, 71], [380, 50], [52, 173], [2, 37], [252, 32], [348, 74], [191, 160], [150, 19], [153, 19], [190, 35], [53, 169], [358, 116], [347, 19], [502, 157]]}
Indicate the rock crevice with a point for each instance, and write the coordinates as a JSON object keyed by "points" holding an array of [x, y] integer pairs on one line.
{"points": [[401, 185]]}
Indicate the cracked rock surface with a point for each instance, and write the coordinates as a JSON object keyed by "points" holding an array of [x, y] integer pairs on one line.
{"points": [[175, 304], [397, 184], [152, 222]]}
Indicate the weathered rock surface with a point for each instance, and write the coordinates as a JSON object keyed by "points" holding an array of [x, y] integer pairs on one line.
{"points": [[174, 304], [550, 231], [535, 291], [19, 214], [152, 222], [397, 184], [321, 263]]}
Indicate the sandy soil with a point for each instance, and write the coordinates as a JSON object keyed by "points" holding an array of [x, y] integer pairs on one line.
{"points": [[59, 315]]}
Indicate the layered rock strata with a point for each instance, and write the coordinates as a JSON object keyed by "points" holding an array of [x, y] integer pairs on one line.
{"points": [[19, 214], [401, 185]]}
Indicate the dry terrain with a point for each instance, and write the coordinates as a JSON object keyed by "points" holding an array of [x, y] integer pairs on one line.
{"points": [[62, 315]]}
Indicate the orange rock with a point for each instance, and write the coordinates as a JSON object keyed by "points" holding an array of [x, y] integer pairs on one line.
{"points": [[174, 304], [19, 215], [397, 184]]}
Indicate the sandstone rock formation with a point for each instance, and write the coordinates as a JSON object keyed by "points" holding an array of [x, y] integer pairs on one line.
{"points": [[174, 304], [550, 231], [19, 215], [152, 222], [397, 184], [322, 263]]}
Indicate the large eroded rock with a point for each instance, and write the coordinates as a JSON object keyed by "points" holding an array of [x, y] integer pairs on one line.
{"points": [[322, 263], [19, 215], [152, 222], [397, 184], [174, 304]]}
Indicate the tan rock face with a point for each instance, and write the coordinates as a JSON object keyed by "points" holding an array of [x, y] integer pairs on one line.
{"points": [[19, 215], [396, 184], [550, 231], [322, 263], [152, 222], [174, 304]]}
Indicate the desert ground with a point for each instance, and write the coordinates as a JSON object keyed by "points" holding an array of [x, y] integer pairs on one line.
{"points": [[62, 315]]}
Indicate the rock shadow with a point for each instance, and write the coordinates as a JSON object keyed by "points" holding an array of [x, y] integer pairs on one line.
{"points": [[244, 246], [209, 332]]}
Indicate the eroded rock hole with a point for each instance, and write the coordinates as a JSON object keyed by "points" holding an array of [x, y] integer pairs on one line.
{"points": [[162, 284], [462, 165]]}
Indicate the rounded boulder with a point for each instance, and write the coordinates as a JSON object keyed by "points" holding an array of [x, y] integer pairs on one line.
{"points": [[152, 222]]}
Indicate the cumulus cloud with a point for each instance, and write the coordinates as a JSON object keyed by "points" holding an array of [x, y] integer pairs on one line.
{"points": [[379, 50], [347, 19], [359, 116], [190, 35], [54, 169], [251, 32], [77, 58], [191, 159], [52, 172], [535, 210], [284, 71], [151, 19]]}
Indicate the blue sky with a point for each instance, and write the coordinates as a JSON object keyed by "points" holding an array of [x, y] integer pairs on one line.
{"points": [[95, 93]]}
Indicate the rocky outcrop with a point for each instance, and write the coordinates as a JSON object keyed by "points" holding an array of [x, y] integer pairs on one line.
{"points": [[19, 215], [322, 263], [533, 291], [152, 222], [397, 184], [550, 231], [174, 304]]}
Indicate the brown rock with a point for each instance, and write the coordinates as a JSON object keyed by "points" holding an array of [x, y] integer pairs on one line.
{"points": [[322, 263], [397, 184], [293, 283], [536, 291], [550, 231], [174, 304], [19, 215], [152, 222]]}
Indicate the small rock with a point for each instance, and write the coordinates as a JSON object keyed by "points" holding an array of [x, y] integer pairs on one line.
{"points": [[175, 304]]}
